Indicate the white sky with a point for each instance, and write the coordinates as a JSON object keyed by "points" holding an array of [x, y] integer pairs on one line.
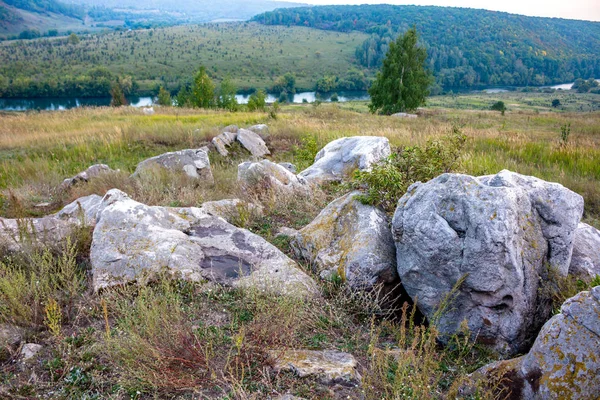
{"points": [[571, 9]]}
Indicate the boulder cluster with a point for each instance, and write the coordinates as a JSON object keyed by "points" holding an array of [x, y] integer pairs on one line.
{"points": [[474, 250]]}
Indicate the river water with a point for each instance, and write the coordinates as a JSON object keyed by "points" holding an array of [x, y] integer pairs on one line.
{"points": [[64, 103], [10, 104]]}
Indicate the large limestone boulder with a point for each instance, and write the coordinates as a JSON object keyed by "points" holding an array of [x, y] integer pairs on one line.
{"points": [[253, 143], [193, 162], [352, 240], [585, 263], [133, 242], [92, 172], [564, 362], [267, 174], [340, 158], [494, 237]]}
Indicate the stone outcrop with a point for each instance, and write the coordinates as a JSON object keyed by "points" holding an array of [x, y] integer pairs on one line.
{"points": [[493, 236], [328, 366], [351, 240], [253, 143], [193, 162], [585, 262], [267, 174], [94, 171], [134, 242], [564, 362], [340, 158], [225, 139], [51, 229]]}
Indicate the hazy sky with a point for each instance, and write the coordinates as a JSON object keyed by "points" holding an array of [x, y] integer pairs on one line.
{"points": [[573, 9]]}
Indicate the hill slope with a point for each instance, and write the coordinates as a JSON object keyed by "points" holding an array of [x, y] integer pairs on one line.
{"points": [[17, 16], [466, 47]]}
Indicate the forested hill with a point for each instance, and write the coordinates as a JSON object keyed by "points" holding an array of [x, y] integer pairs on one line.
{"points": [[466, 47], [32, 17]]}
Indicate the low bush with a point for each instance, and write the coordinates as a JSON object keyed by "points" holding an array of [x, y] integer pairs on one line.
{"points": [[387, 181]]}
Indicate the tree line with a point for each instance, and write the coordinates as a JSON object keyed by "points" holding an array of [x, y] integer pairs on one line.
{"points": [[466, 47]]}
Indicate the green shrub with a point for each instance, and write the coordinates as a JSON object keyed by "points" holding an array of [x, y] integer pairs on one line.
{"points": [[389, 180]]}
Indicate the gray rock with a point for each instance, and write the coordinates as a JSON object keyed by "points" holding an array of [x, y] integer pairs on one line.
{"points": [[351, 240], [585, 262], [148, 110], [92, 172], [266, 174], [285, 231], [253, 143], [133, 242], [289, 166], [261, 129], [30, 350], [83, 209], [328, 366], [51, 229], [405, 115], [232, 210], [10, 338], [498, 233], [340, 158], [225, 139], [288, 397], [564, 362], [193, 162]]}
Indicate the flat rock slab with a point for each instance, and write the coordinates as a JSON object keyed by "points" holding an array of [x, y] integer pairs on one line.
{"points": [[496, 234], [232, 210], [193, 162], [253, 143], [351, 240], [132, 242], [329, 366], [585, 263], [340, 158], [564, 362], [261, 129]]}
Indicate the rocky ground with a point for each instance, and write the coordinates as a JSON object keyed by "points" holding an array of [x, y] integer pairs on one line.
{"points": [[470, 287]]}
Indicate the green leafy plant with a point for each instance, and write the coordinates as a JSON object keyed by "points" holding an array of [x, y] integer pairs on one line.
{"points": [[565, 132], [387, 181]]}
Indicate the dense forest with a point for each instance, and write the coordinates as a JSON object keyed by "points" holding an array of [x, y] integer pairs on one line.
{"points": [[466, 47]]}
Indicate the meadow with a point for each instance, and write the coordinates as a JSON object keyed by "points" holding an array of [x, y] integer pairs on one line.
{"points": [[183, 340], [253, 55]]}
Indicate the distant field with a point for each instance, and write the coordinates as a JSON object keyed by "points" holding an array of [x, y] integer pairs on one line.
{"points": [[253, 55]]}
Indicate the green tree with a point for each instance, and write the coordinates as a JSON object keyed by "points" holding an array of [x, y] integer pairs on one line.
{"points": [[73, 39], [498, 106], [117, 96], [203, 90], [257, 101], [184, 97], [227, 98], [164, 97], [556, 103], [403, 82], [285, 83]]}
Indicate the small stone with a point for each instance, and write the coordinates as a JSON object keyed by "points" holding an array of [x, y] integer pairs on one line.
{"points": [[29, 350], [261, 129], [256, 175], [289, 166], [329, 366], [94, 171], [193, 162], [404, 115], [10, 338]]}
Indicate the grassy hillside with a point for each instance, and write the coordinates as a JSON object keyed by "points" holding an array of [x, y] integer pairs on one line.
{"points": [[466, 46], [17, 16], [253, 55], [175, 339]]}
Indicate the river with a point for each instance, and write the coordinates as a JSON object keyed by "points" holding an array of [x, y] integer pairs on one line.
{"points": [[15, 104], [65, 103]]}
